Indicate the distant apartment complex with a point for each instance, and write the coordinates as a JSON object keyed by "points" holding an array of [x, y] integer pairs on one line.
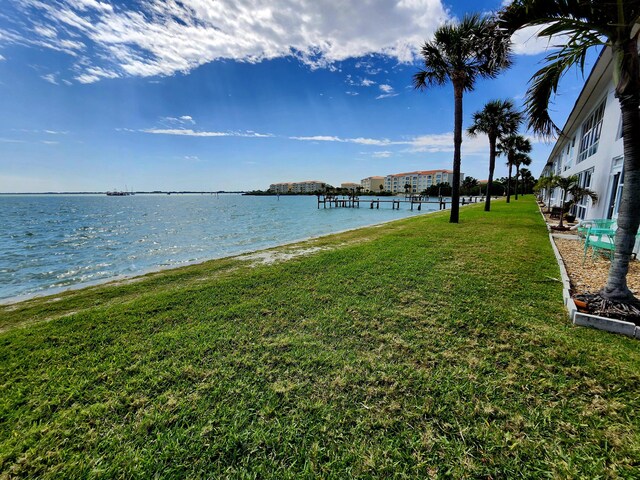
{"points": [[350, 186], [372, 184], [308, 186], [418, 181]]}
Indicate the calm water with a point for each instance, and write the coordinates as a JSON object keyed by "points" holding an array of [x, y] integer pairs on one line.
{"points": [[52, 242]]}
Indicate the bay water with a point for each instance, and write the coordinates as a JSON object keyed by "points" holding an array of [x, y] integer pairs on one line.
{"points": [[50, 243]]}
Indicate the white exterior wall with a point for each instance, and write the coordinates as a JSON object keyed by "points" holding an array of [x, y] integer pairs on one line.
{"points": [[606, 162], [601, 162]]}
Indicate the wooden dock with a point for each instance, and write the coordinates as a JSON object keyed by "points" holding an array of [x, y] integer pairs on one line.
{"points": [[414, 201]]}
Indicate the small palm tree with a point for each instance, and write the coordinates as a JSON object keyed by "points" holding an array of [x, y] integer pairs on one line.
{"points": [[519, 160], [589, 23], [460, 53], [541, 188], [497, 119], [571, 186], [512, 146]]}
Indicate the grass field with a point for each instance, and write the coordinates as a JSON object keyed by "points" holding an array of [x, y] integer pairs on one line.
{"points": [[414, 349]]}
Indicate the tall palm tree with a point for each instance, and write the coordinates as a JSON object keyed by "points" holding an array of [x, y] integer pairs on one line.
{"points": [[519, 160], [588, 23], [527, 179], [496, 119], [511, 147], [460, 53]]}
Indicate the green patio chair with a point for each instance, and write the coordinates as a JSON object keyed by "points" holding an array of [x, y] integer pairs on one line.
{"points": [[595, 223], [600, 239]]}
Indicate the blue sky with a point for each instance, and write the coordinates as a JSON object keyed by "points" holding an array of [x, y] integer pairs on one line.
{"points": [[234, 95]]}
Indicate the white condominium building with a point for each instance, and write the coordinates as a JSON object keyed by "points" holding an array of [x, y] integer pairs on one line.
{"points": [[418, 181], [591, 145]]}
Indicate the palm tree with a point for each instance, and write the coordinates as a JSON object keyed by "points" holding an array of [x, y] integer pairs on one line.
{"points": [[571, 186], [497, 119], [527, 180], [589, 23], [511, 146], [519, 160], [545, 183], [460, 53]]}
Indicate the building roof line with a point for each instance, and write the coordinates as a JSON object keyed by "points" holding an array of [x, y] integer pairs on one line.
{"points": [[574, 114]]}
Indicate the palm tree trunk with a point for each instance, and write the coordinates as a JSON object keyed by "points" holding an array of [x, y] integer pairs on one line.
{"points": [[629, 213], [517, 176], [564, 199], [457, 143], [509, 183], [492, 167]]}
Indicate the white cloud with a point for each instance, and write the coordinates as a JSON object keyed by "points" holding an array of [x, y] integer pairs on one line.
{"points": [[387, 91], [187, 132], [178, 121], [2, 58], [352, 93], [526, 41], [443, 142], [367, 83], [359, 140], [93, 74], [384, 154], [51, 78], [162, 37]]}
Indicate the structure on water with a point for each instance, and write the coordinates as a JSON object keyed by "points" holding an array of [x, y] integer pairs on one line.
{"points": [[353, 201]]}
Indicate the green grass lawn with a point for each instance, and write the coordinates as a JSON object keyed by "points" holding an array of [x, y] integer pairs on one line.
{"points": [[413, 349]]}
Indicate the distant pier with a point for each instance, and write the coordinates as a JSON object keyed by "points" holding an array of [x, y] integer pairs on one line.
{"points": [[413, 201]]}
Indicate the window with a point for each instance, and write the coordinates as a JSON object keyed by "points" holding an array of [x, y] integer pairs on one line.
{"points": [[584, 180], [619, 134], [591, 130]]}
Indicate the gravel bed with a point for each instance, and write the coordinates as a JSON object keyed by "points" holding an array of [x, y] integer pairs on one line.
{"points": [[591, 276]]}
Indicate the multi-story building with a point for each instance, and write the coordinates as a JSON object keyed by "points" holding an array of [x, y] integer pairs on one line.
{"points": [[308, 186], [350, 186], [418, 181], [372, 184], [591, 145], [283, 187]]}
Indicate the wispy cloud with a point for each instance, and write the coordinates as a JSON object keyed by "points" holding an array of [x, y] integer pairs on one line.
{"points": [[51, 78], [178, 121], [383, 154], [187, 132], [387, 91], [359, 140], [2, 58], [160, 37]]}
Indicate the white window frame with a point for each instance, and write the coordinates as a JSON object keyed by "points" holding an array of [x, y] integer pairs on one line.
{"points": [[591, 130]]}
